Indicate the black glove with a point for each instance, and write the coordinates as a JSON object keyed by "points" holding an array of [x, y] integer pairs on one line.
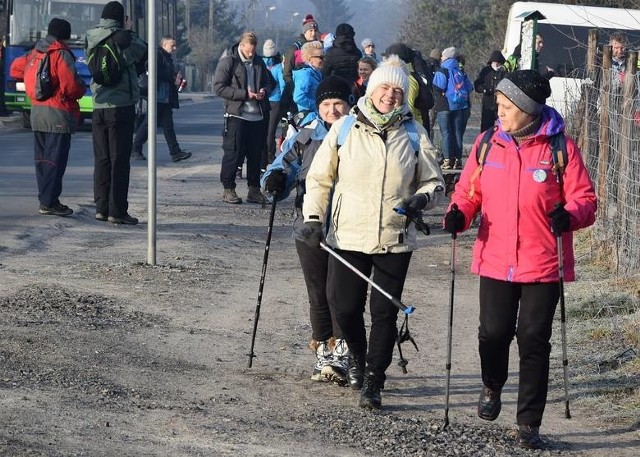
{"points": [[275, 182], [122, 38], [454, 220], [560, 220], [312, 234], [416, 203]]}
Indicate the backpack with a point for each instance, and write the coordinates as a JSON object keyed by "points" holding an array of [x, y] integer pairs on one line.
{"points": [[105, 62], [44, 87], [457, 92], [424, 75], [559, 155], [412, 132]]}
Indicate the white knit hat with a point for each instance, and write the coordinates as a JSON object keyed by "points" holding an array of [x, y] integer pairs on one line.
{"points": [[392, 71], [449, 53], [269, 48]]}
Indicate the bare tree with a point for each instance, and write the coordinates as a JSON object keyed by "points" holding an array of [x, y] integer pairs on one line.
{"points": [[203, 52]]}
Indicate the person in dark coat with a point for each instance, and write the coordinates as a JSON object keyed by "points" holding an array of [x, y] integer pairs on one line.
{"points": [[342, 58], [167, 98], [486, 84], [243, 81]]}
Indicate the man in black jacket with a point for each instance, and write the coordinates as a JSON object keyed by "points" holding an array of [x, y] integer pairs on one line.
{"points": [[167, 98], [244, 82]]}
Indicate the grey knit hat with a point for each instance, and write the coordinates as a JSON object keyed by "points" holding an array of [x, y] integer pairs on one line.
{"points": [[527, 89]]}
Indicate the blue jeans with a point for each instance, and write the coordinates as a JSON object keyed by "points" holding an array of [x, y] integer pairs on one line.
{"points": [[452, 125]]}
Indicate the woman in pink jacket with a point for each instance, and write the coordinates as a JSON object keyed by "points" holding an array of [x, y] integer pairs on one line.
{"points": [[524, 202]]}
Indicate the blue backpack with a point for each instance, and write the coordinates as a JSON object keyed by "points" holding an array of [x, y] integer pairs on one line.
{"points": [[458, 88]]}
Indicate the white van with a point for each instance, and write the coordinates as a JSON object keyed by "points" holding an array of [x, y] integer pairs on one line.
{"points": [[565, 31]]}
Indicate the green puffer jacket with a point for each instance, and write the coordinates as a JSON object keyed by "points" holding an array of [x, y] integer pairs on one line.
{"points": [[126, 92]]}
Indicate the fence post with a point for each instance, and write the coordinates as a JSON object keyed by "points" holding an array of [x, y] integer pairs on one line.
{"points": [[627, 176], [603, 155], [588, 108]]}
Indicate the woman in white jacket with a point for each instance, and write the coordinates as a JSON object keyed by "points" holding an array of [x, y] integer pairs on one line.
{"points": [[373, 171]]}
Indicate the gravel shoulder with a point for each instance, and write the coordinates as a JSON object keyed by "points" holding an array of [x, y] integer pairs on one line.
{"points": [[102, 354]]}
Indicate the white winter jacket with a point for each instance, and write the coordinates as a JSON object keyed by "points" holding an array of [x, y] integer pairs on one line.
{"points": [[370, 175]]}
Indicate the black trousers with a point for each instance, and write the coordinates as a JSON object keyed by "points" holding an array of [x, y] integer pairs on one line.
{"points": [[112, 131], [165, 120], [314, 263], [526, 311], [488, 118], [269, 153], [348, 294], [51, 154], [241, 139]]}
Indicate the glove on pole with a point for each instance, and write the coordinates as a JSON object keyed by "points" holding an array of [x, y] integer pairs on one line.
{"points": [[454, 236], [262, 276]]}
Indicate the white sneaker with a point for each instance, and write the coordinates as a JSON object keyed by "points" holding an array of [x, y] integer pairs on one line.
{"points": [[336, 370], [324, 356]]}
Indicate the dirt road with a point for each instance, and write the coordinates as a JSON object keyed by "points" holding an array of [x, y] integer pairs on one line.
{"points": [[102, 354]]}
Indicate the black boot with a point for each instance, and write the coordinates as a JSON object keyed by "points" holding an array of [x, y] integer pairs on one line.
{"points": [[370, 394], [489, 404], [529, 437], [355, 374]]}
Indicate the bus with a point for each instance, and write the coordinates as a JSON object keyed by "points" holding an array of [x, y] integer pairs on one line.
{"points": [[565, 31], [27, 24]]}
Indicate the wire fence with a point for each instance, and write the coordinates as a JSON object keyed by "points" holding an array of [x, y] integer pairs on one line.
{"points": [[603, 115]]}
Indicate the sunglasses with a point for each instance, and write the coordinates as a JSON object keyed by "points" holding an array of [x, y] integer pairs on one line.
{"points": [[319, 57]]}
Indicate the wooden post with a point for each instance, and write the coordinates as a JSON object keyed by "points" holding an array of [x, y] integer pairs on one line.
{"points": [[603, 156], [587, 108], [625, 198]]}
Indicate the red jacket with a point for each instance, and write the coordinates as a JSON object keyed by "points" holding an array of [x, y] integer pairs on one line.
{"points": [[513, 194], [59, 113]]}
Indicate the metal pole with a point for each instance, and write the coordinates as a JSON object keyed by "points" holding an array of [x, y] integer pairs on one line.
{"points": [[405, 309], [450, 328], [563, 327], [152, 115], [262, 276]]}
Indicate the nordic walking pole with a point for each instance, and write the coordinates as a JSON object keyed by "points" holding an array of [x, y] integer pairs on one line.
{"points": [[262, 276], [405, 309], [454, 237], [563, 327]]}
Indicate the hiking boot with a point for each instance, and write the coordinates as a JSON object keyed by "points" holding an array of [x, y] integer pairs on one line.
{"points": [[180, 155], [529, 437], [324, 355], [336, 370], [355, 372], [102, 217], [239, 173], [125, 219], [255, 196], [370, 397], [230, 196], [57, 209], [137, 155], [446, 164], [457, 165], [489, 405]]}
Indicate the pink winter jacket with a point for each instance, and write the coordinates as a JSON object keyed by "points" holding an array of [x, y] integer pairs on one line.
{"points": [[513, 194]]}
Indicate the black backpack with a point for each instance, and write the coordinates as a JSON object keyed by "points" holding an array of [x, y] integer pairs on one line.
{"points": [[105, 62], [44, 85], [424, 75]]}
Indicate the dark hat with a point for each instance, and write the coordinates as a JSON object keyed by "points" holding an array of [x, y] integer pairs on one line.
{"points": [[113, 10], [345, 30], [59, 28], [527, 89], [309, 23], [333, 87], [496, 56], [401, 50]]}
